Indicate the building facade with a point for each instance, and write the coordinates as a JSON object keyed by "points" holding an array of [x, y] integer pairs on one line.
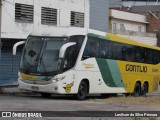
{"points": [[99, 10], [131, 26], [19, 18], [152, 12], [24, 16]]}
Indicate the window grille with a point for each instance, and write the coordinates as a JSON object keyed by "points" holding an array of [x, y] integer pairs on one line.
{"points": [[77, 19], [23, 12], [48, 16]]}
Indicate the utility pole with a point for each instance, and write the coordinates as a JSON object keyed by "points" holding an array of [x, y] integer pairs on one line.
{"points": [[0, 25]]}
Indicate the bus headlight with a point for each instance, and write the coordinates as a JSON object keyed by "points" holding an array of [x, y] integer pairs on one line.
{"points": [[57, 78]]}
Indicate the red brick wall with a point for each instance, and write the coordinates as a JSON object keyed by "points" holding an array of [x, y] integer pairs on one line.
{"points": [[154, 24]]}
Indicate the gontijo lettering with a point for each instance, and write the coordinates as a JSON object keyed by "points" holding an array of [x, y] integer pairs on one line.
{"points": [[136, 68]]}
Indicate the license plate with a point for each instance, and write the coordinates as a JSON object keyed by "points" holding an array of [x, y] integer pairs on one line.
{"points": [[34, 88]]}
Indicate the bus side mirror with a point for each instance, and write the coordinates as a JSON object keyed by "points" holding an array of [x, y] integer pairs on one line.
{"points": [[64, 47], [16, 45]]}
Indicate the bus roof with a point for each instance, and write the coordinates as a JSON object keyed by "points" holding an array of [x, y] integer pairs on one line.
{"points": [[60, 31], [69, 31]]}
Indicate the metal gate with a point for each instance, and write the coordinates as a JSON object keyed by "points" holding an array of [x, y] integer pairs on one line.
{"points": [[9, 64]]}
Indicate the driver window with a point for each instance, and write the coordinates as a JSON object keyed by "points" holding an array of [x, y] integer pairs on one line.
{"points": [[73, 51], [69, 59], [92, 48]]}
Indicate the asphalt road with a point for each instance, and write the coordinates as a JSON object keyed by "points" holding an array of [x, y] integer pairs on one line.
{"points": [[13, 102], [63, 103]]}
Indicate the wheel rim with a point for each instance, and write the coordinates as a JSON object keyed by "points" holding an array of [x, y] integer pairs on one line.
{"points": [[82, 91]]}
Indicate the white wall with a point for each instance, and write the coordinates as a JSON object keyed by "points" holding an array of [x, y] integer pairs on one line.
{"points": [[132, 22], [137, 3], [129, 25], [12, 29], [145, 40], [128, 16]]}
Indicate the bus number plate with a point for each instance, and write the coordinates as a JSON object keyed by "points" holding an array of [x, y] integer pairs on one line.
{"points": [[34, 88]]}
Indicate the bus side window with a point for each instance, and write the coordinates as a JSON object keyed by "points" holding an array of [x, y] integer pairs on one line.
{"points": [[137, 54], [123, 53], [156, 57], [116, 51], [130, 53], [144, 54], [104, 49], [150, 56], [91, 49]]}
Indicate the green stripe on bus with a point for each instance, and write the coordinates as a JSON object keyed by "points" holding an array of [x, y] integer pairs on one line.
{"points": [[98, 36], [116, 75], [105, 72]]}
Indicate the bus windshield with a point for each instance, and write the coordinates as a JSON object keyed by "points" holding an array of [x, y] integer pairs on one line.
{"points": [[41, 54]]}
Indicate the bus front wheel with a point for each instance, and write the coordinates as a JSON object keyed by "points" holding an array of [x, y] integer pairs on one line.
{"points": [[137, 90], [82, 91]]}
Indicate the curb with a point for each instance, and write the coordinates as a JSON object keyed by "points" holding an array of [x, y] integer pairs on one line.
{"points": [[11, 90], [15, 91]]}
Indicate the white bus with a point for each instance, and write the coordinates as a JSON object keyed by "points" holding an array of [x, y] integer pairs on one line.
{"points": [[81, 61]]}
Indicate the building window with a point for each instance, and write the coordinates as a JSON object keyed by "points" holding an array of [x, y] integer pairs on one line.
{"points": [[122, 27], [77, 19], [139, 29], [48, 16], [114, 27], [23, 13]]}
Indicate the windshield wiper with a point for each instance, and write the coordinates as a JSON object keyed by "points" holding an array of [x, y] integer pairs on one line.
{"points": [[39, 58]]}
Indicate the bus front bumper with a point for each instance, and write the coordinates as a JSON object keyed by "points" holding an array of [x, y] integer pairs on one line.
{"points": [[46, 88]]}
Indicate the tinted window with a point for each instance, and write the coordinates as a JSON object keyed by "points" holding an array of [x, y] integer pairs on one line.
{"points": [[92, 48], [120, 51], [105, 49], [73, 51]]}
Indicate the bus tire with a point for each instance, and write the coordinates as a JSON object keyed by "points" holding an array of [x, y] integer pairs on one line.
{"points": [[46, 95], [105, 95], [137, 90], [144, 89], [127, 94], [1, 90], [82, 91]]}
